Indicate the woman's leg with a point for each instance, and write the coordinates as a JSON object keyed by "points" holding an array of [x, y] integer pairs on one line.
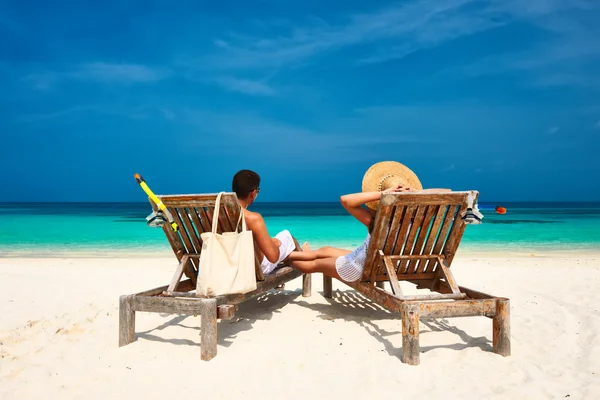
{"points": [[311, 255], [323, 265], [328, 251]]}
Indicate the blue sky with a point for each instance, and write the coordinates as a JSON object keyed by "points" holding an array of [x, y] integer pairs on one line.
{"points": [[502, 96]]}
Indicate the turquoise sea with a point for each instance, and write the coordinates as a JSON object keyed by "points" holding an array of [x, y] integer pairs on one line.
{"points": [[109, 229]]}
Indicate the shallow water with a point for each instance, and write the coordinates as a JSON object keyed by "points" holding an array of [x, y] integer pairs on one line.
{"points": [[101, 228]]}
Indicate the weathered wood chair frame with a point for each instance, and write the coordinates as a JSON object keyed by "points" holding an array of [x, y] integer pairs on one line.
{"points": [[415, 238], [193, 214]]}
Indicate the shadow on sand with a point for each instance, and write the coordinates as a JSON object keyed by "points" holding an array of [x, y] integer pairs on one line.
{"points": [[350, 305], [260, 308]]}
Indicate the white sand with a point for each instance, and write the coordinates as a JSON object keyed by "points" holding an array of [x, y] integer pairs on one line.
{"points": [[59, 333]]}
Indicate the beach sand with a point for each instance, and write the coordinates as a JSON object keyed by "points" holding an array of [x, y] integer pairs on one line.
{"points": [[59, 337]]}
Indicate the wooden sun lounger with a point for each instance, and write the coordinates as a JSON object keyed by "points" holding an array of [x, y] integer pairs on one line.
{"points": [[415, 238], [193, 214]]}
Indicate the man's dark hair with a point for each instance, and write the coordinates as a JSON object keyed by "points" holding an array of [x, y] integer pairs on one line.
{"points": [[244, 182]]}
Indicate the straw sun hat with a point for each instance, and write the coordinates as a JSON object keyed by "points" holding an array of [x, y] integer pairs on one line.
{"points": [[388, 174]]}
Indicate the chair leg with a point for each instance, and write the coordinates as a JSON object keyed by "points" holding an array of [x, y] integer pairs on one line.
{"points": [[208, 329], [410, 334], [327, 287], [306, 285], [126, 320], [501, 328]]}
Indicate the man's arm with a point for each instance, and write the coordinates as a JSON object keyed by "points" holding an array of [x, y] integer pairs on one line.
{"points": [[266, 244]]}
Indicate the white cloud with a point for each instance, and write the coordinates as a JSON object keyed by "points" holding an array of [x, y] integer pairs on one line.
{"points": [[246, 86], [119, 73], [99, 72], [551, 54], [58, 114], [167, 113], [449, 168], [135, 112], [551, 79], [341, 143], [560, 59], [391, 33], [408, 26], [42, 81]]}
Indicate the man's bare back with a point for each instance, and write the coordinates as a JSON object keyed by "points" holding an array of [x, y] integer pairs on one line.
{"points": [[266, 244]]}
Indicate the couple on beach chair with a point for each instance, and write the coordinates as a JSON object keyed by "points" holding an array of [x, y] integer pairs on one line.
{"points": [[346, 265], [412, 237]]}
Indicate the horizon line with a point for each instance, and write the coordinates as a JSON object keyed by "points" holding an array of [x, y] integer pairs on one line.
{"points": [[289, 202]]}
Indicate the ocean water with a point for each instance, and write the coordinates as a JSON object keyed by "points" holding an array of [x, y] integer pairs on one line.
{"points": [[46, 229]]}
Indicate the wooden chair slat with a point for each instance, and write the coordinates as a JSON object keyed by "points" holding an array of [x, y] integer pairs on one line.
{"points": [[200, 229], [378, 238], [423, 199], [186, 217], [423, 233], [432, 236], [441, 238], [185, 238], [177, 246], [393, 278], [204, 219], [420, 226], [209, 215], [405, 225], [456, 234], [226, 225], [407, 246], [232, 214], [407, 277], [201, 200], [396, 217]]}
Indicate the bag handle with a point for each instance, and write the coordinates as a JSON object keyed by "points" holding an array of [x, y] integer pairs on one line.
{"points": [[215, 220], [244, 227]]}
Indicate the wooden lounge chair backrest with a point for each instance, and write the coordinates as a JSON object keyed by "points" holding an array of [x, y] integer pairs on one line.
{"points": [[194, 213], [414, 233]]}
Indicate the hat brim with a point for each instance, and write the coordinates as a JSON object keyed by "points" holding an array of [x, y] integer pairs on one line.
{"points": [[377, 172]]}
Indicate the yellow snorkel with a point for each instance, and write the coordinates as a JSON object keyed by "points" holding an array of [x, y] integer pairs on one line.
{"points": [[155, 220]]}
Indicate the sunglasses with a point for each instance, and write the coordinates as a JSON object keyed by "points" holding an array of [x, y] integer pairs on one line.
{"points": [[257, 190]]}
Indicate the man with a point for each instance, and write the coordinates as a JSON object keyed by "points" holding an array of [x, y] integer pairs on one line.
{"points": [[246, 185]]}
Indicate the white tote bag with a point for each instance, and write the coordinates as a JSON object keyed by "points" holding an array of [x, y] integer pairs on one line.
{"points": [[227, 260]]}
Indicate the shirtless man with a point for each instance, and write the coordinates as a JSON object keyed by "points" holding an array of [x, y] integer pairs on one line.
{"points": [[246, 185]]}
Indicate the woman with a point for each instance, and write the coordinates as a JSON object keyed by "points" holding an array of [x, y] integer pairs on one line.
{"points": [[384, 177]]}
